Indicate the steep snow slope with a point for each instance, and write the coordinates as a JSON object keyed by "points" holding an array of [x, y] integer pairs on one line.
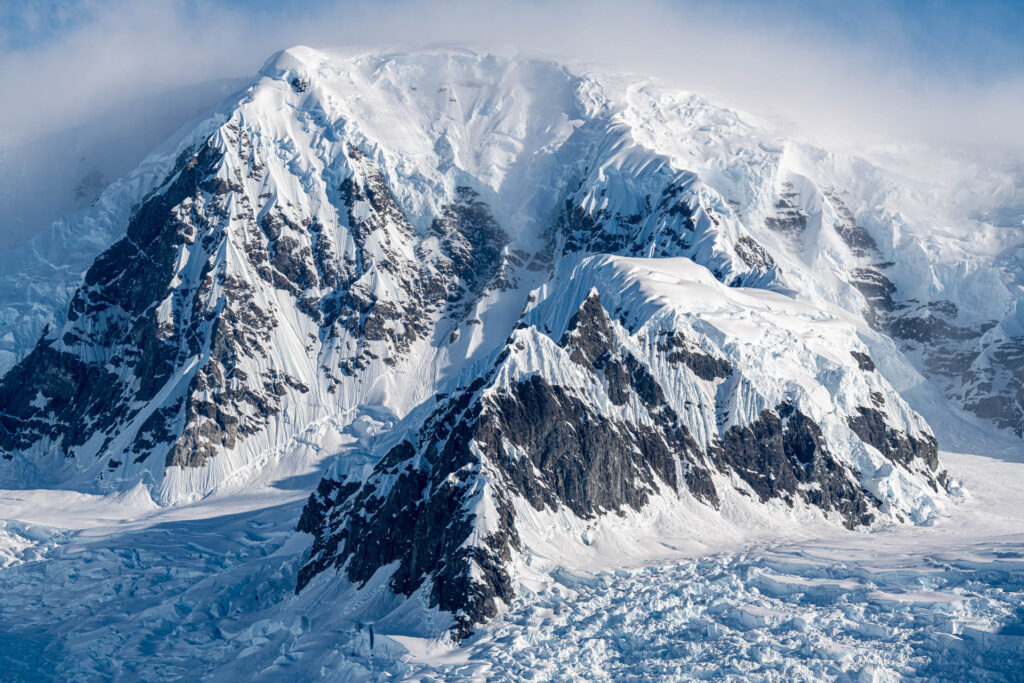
{"points": [[274, 270], [952, 231]]}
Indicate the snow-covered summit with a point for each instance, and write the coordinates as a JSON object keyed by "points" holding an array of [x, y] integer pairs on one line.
{"points": [[347, 174], [335, 181], [507, 294]]}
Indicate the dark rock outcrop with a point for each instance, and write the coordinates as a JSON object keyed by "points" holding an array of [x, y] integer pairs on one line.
{"points": [[870, 426], [994, 386], [678, 349], [422, 503], [864, 361], [674, 223], [63, 396], [878, 290], [782, 455], [858, 239], [753, 254]]}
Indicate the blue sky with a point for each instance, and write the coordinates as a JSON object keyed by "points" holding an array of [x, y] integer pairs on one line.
{"points": [[966, 38], [982, 38]]}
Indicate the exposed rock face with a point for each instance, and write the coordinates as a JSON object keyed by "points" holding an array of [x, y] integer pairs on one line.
{"points": [[676, 216], [428, 498], [977, 364], [70, 409], [174, 345], [871, 427], [864, 361], [994, 386], [782, 454], [853, 234], [473, 244], [878, 291], [589, 339], [592, 433], [753, 254], [678, 350], [788, 218], [115, 351], [974, 364]]}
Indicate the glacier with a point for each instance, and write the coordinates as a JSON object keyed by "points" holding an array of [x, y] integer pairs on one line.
{"points": [[116, 587]]}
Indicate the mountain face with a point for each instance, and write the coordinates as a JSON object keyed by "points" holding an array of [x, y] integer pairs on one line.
{"points": [[588, 414], [587, 297]]}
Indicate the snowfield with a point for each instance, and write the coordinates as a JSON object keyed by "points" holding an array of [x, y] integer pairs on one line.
{"points": [[114, 587]]}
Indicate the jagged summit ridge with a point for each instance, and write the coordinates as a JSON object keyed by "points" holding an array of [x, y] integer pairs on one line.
{"points": [[339, 222]]}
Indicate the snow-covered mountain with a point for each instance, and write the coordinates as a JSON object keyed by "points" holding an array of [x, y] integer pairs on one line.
{"points": [[571, 297]]}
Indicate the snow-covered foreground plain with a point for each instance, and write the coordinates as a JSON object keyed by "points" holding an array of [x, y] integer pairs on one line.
{"points": [[102, 587]]}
